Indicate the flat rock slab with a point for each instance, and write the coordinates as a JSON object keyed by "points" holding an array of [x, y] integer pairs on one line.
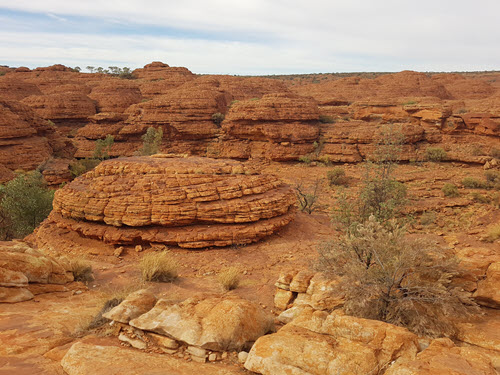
{"points": [[89, 359]]}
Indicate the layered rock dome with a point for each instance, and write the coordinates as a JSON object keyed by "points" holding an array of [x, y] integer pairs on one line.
{"points": [[190, 202]]}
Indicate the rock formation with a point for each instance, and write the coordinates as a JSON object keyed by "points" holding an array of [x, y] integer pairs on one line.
{"points": [[26, 140], [20, 266], [192, 202]]}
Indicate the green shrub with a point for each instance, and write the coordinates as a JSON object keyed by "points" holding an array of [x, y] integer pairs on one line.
{"points": [[450, 190], [336, 176], [218, 117], [324, 119], [435, 154], [307, 197], [479, 198], [151, 141], [472, 183], [26, 202], [103, 147], [306, 159], [79, 167]]}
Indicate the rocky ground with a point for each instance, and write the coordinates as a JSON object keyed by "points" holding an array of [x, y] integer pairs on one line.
{"points": [[37, 334]]}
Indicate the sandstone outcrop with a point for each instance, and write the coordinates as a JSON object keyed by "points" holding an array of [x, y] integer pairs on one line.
{"points": [[90, 359], [197, 322], [115, 96], [320, 343], [276, 126], [190, 202], [66, 110], [20, 265], [442, 357], [26, 140]]}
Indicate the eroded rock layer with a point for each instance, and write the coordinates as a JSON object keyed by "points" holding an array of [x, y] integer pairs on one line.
{"points": [[192, 202]]}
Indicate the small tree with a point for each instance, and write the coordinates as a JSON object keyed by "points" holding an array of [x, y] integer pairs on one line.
{"points": [[390, 277], [151, 141], [26, 202], [307, 197]]}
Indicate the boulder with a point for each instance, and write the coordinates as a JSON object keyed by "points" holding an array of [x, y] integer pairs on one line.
{"points": [[488, 290], [316, 342], [442, 357], [136, 304], [210, 322], [21, 265]]}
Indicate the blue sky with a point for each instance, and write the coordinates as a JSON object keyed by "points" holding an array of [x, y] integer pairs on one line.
{"points": [[253, 37]]}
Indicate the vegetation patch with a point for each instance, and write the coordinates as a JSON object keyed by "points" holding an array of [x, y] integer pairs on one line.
{"points": [[229, 278], [159, 266]]}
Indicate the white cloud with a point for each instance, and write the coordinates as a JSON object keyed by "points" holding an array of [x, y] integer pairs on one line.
{"points": [[261, 36]]}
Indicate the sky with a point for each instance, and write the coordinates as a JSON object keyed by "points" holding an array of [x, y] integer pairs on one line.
{"points": [[256, 37]]}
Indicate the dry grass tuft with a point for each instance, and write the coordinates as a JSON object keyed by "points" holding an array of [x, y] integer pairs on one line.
{"points": [[493, 233], [82, 270], [229, 278], [95, 320], [159, 267]]}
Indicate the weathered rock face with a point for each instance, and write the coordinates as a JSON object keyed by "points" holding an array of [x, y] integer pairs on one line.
{"points": [[276, 126], [442, 357], [322, 343], [16, 89], [488, 290], [198, 322], [115, 96], [66, 110], [192, 202], [26, 140], [21, 265]]}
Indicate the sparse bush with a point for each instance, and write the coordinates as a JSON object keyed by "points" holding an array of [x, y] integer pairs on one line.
{"points": [[428, 218], [479, 198], [336, 176], [324, 119], [435, 154], [493, 233], [472, 183], [492, 176], [306, 159], [307, 200], [25, 202], [79, 167], [381, 195], [81, 269], [96, 320], [450, 190], [217, 118], [151, 141], [160, 267], [229, 278], [495, 152], [103, 147], [325, 159], [390, 277]]}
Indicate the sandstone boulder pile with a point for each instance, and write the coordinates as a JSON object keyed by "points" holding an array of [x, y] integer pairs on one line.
{"points": [[190, 202], [23, 269]]}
